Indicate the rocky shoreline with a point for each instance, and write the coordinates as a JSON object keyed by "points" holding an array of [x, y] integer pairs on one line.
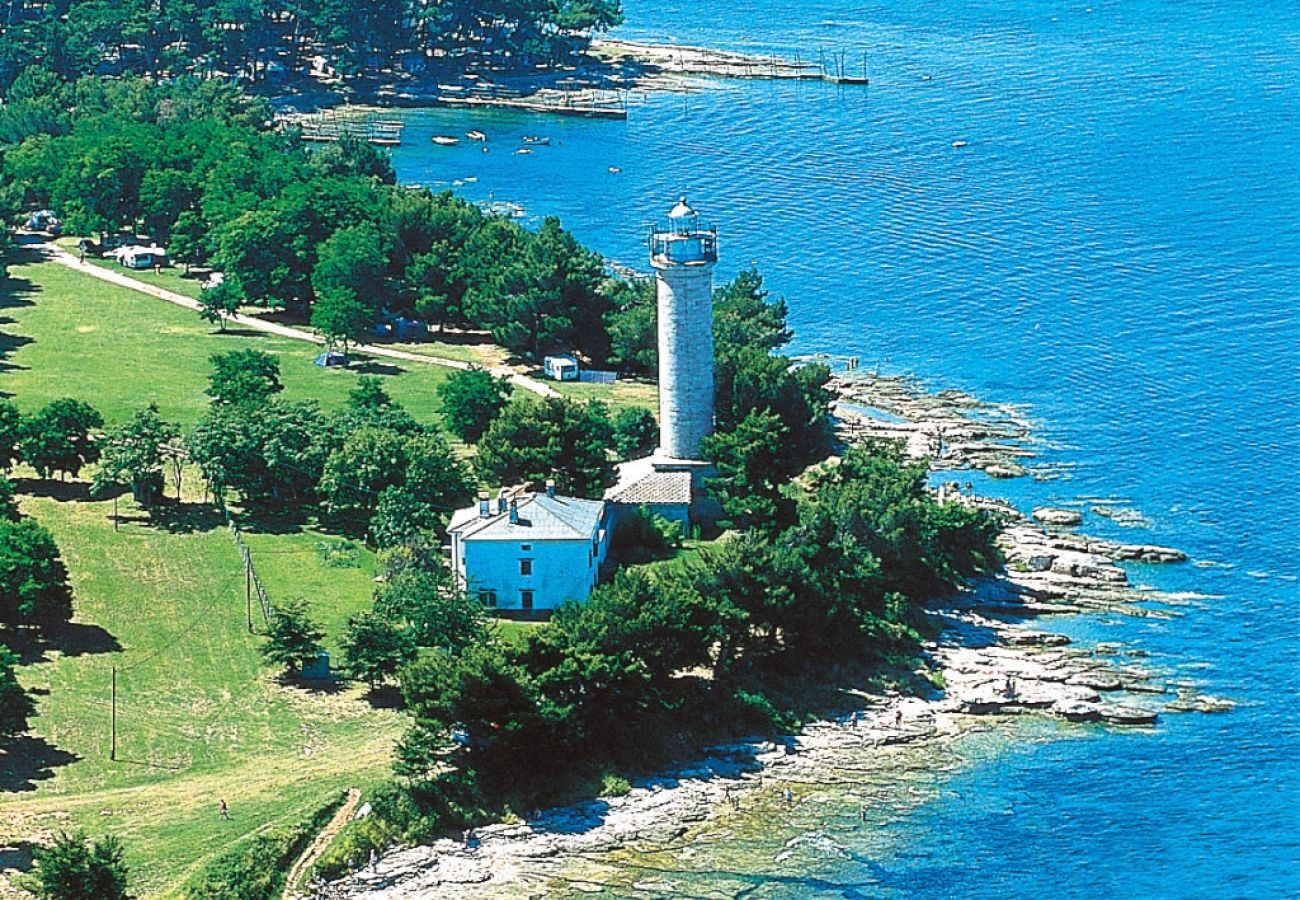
{"points": [[991, 662]]}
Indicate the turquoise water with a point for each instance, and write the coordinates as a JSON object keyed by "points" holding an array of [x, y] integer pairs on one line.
{"points": [[1117, 248]]}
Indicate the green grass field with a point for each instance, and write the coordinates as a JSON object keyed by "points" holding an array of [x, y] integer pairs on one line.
{"points": [[466, 348], [199, 717], [63, 333]]}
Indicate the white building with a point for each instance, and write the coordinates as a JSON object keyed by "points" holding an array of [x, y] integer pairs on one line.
{"points": [[526, 554]]}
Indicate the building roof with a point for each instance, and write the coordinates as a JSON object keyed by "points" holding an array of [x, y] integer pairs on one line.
{"points": [[541, 518], [640, 482]]}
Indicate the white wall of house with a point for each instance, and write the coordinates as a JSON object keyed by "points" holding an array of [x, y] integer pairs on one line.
{"points": [[554, 570]]}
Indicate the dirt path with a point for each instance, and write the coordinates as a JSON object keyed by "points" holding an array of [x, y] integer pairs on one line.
{"points": [[57, 254], [317, 847]]}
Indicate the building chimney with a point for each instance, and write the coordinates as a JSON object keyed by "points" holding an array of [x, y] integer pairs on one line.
{"points": [[550, 487], [514, 513], [484, 505]]}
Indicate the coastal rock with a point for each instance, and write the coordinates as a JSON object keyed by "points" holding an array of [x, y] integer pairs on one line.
{"points": [[1128, 715], [1077, 711], [1006, 470], [1203, 703], [1150, 553], [1051, 515], [1036, 639], [1098, 681]]}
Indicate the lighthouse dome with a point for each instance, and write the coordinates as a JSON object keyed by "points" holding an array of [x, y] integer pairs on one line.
{"points": [[682, 210]]}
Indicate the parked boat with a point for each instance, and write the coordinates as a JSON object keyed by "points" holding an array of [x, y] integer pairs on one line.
{"points": [[522, 150], [957, 145], [536, 141], [476, 135], [445, 140]]}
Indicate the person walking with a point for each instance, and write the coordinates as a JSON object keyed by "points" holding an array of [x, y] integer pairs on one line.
{"points": [[225, 810]]}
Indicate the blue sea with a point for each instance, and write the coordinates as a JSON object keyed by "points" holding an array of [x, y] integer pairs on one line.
{"points": [[1116, 250]]}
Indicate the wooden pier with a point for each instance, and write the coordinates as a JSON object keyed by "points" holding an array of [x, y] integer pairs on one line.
{"points": [[330, 127]]}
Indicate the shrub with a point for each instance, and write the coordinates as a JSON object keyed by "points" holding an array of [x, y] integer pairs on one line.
{"points": [[614, 785], [255, 869]]}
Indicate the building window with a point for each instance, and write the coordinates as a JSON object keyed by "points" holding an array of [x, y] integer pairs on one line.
{"points": [[525, 547], [525, 567], [526, 599], [488, 598]]}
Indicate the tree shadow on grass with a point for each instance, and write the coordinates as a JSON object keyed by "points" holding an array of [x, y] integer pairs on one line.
{"points": [[17, 856], [384, 696], [327, 686], [240, 333], [186, 518], [267, 521], [52, 488], [370, 367], [26, 760], [68, 638]]}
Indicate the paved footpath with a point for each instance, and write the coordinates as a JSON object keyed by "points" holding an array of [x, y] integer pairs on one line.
{"points": [[57, 254]]}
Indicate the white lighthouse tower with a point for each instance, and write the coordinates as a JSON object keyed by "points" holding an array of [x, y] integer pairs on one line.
{"points": [[671, 483], [683, 253]]}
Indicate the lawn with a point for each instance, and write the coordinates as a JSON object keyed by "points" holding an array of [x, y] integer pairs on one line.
{"points": [[200, 717], [472, 347], [63, 333], [622, 393]]}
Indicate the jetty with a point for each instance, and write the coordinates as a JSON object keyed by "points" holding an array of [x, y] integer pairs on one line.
{"points": [[331, 126]]}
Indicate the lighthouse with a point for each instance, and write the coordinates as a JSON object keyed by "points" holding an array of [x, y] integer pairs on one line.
{"points": [[683, 254], [671, 482]]}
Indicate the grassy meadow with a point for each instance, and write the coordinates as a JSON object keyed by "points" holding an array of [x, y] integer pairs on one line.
{"points": [[199, 715]]}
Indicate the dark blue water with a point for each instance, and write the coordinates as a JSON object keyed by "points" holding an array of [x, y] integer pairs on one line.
{"points": [[1117, 249]]}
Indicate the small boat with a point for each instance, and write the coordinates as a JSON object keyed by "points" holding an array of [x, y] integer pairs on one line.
{"points": [[445, 140], [476, 135], [522, 150], [537, 141], [614, 170], [470, 179], [957, 145]]}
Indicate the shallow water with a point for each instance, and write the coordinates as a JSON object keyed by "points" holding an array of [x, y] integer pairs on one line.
{"points": [[1117, 249]]}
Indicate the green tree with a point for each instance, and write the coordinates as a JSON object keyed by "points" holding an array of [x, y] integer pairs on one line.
{"points": [[8, 500], [33, 579], [218, 303], [11, 432], [555, 438], [370, 460], [374, 647], [341, 316], [15, 706], [74, 869], [349, 282], [748, 482], [636, 432], [135, 453], [424, 597], [471, 399], [434, 475], [632, 323], [294, 640], [244, 376], [400, 518], [59, 438]]}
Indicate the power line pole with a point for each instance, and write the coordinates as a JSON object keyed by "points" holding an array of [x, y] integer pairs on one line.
{"points": [[248, 591], [112, 752], [115, 519]]}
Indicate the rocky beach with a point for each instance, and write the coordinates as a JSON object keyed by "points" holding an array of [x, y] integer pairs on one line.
{"points": [[993, 662]]}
